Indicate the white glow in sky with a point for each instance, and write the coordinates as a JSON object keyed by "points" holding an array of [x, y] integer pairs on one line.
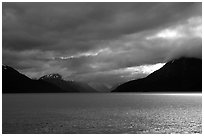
{"points": [[166, 34], [87, 54], [99, 42], [145, 69], [193, 28]]}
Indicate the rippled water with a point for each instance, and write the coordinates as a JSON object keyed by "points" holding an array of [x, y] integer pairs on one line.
{"points": [[101, 113]]}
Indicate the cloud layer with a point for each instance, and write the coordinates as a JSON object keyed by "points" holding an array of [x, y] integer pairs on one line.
{"points": [[98, 42]]}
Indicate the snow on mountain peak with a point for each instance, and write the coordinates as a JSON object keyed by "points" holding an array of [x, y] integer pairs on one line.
{"points": [[53, 76]]}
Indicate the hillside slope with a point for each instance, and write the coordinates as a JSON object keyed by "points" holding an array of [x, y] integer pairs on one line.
{"points": [[179, 75]]}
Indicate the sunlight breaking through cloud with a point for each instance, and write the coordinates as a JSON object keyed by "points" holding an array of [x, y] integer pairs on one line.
{"points": [[98, 42], [167, 34], [193, 28], [145, 69], [85, 54]]}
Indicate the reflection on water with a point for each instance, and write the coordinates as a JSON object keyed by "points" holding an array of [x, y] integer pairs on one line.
{"points": [[102, 113]]}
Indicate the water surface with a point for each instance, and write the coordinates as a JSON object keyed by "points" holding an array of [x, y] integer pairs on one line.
{"points": [[101, 113]]}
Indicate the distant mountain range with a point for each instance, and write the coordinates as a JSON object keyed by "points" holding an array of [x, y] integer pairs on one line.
{"points": [[178, 75], [15, 82], [100, 87], [69, 86]]}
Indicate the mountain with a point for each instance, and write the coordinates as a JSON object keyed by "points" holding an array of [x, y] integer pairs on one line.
{"points": [[15, 82], [83, 87], [67, 86], [179, 75], [115, 86], [100, 87]]}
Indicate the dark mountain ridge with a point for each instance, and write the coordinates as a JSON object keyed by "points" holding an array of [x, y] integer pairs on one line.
{"points": [[179, 75], [15, 82]]}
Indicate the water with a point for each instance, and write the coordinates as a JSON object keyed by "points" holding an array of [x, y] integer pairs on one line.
{"points": [[101, 113]]}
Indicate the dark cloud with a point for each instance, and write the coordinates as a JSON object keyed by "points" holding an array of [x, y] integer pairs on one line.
{"points": [[52, 23], [86, 41]]}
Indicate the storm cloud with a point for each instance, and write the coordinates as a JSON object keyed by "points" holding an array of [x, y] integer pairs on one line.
{"points": [[105, 43]]}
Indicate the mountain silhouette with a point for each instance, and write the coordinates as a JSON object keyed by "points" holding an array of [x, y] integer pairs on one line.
{"points": [[15, 82], [178, 75], [67, 86], [100, 87]]}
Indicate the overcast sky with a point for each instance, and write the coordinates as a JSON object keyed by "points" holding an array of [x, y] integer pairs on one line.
{"points": [[104, 43]]}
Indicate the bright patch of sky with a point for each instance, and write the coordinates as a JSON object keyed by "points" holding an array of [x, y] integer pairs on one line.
{"points": [[193, 28], [145, 69]]}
